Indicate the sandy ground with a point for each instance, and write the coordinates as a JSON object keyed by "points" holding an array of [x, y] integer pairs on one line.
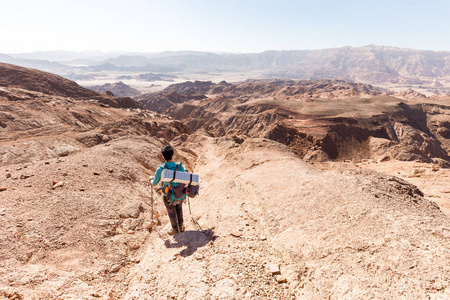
{"points": [[432, 180]]}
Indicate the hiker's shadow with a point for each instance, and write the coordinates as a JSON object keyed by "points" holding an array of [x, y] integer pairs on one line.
{"points": [[192, 240]]}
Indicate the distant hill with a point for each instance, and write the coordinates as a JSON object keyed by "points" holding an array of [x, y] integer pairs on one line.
{"points": [[44, 65], [19, 83], [39, 81], [119, 89]]}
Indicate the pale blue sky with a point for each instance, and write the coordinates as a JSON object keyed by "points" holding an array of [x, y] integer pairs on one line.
{"points": [[223, 26]]}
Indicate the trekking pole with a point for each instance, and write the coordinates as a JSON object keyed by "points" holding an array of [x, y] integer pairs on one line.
{"points": [[189, 204], [151, 204], [151, 200], [190, 213]]}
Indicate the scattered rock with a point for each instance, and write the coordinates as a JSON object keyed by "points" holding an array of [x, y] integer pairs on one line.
{"points": [[273, 268], [82, 189], [236, 233], [115, 268], [280, 279], [147, 225], [23, 176], [19, 168], [85, 165], [47, 162], [57, 184], [198, 256], [110, 170], [8, 175], [417, 172], [96, 173], [262, 237], [3, 189], [384, 158], [65, 174], [28, 185]]}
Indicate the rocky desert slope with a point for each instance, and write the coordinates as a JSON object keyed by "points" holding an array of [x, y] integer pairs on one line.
{"points": [[77, 220], [319, 119]]}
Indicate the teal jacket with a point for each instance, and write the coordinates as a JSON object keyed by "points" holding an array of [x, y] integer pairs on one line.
{"points": [[172, 166]]}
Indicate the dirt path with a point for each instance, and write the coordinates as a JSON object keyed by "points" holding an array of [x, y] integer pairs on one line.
{"points": [[227, 258]]}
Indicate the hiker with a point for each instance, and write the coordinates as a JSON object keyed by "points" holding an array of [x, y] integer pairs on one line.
{"points": [[173, 204]]}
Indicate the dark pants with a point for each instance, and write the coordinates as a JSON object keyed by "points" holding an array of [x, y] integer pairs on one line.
{"points": [[175, 213]]}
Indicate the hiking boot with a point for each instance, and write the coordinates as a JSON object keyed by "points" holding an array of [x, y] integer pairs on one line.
{"points": [[172, 231], [182, 228]]}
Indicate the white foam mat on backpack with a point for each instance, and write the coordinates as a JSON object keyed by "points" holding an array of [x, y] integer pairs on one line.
{"points": [[180, 177]]}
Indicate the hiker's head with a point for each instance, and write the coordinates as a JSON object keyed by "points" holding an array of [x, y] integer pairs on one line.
{"points": [[167, 152]]}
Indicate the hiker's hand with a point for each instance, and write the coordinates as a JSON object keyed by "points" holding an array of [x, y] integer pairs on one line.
{"points": [[151, 178]]}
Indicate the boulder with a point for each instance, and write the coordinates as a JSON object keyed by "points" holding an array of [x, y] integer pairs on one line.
{"points": [[441, 162], [131, 210]]}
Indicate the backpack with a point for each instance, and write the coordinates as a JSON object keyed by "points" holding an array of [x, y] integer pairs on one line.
{"points": [[192, 190], [178, 191]]}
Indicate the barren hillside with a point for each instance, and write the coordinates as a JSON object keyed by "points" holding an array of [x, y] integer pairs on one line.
{"points": [[320, 120], [75, 207], [119, 89]]}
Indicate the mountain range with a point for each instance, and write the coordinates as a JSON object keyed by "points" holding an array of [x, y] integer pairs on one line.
{"points": [[369, 64]]}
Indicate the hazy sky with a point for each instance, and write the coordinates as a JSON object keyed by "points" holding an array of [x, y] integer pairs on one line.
{"points": [[226, 25]]}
